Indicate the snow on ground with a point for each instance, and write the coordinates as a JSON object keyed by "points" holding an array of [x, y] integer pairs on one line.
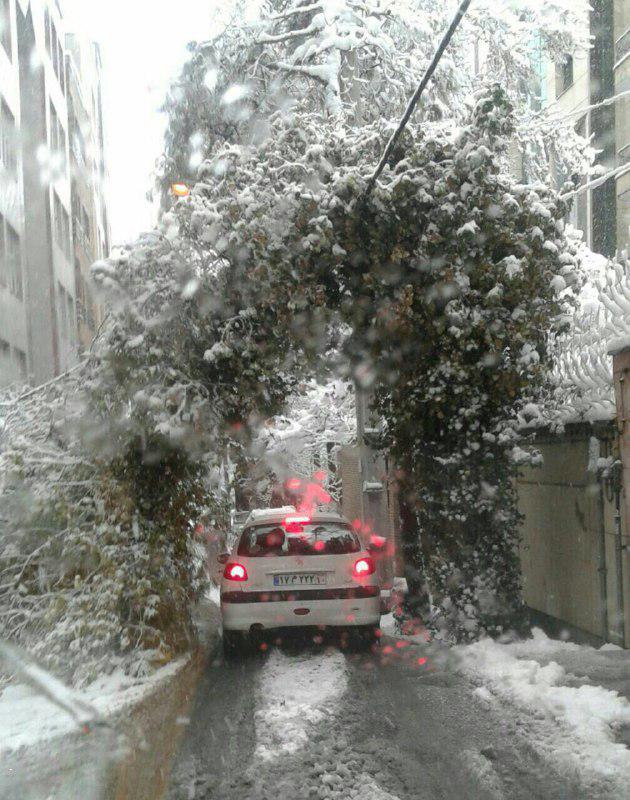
{"points": [[368, 789], [214, 594], [27, 718], [293, 694], [579, 721], [483, 773], [388, 624]]}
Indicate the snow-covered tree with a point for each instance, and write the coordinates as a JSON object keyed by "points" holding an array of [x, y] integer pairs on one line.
{"points": [[361, 60], [450, 275], [318, 420]]}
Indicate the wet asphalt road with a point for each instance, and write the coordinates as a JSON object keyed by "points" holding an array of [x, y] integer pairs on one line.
{"points": [[398, 723]]}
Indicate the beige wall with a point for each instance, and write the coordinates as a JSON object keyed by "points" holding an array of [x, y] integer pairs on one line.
{"points": [[379, 509], [620, 547], [568, 536], [350, 471]]}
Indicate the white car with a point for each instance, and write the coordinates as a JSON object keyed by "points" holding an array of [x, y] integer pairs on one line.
{"points": [[290, 570]]}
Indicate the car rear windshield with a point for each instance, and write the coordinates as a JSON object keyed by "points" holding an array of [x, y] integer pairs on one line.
{"points": [[315, 539]]}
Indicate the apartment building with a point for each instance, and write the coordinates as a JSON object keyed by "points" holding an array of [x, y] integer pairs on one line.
{"points": [[42, 260], [575, 85], [87, 165]]}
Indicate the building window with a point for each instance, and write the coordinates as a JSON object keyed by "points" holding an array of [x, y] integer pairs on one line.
{"points": [[85, 224], [14, 261], [10, 259], [77, 141], [5, 361], [47, 31], [8, 139], [55, 50], [62, 227], [57, 134], [4, 272], [564, 75], [63, 313], [5, 27], [20, 361], [71, 321]]}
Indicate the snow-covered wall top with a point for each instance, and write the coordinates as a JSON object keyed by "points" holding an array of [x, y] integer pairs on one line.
{"points": [[583, 373]]}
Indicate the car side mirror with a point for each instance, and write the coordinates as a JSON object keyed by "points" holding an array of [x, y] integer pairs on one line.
{"points": [[222, 558]]}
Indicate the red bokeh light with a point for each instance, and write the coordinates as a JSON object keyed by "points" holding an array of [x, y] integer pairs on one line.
{"points": [[235, 572]]}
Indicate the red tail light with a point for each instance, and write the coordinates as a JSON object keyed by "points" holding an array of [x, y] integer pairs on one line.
{"points": [[235, 572], [363, 567]]}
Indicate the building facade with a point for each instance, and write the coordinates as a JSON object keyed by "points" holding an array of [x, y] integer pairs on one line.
{"points": [[90, 229], [571, 88], [369, 491], [41, 296]]}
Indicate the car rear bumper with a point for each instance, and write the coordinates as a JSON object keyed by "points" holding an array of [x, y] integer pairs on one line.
{"points": [[271, 613]]}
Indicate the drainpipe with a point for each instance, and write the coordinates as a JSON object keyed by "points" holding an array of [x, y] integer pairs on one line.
{"points": [[601, 569], [619, 565], [617, 481]]}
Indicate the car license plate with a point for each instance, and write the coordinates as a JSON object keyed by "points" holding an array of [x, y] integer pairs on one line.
{"points": [[299, 579]]}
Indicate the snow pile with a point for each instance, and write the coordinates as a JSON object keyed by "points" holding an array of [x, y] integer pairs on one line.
{"points": [[369, 789], [483, 774], [294, 694], [581, 737]]}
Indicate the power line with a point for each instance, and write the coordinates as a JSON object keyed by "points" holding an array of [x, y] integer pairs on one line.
{"points": [[416, 95], [617, 172]]}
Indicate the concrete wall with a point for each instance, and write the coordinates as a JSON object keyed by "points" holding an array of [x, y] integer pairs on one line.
{"points": [[620, 547], [377, 509], [569, 537]]}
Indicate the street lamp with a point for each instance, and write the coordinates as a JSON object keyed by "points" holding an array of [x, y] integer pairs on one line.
{"points": [[180, 189]]}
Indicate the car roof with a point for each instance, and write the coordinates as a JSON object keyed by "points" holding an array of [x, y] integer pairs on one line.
{"points": [[262, 516]]}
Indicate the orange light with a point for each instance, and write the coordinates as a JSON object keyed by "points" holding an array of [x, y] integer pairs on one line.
{"points": [[180, 190]]}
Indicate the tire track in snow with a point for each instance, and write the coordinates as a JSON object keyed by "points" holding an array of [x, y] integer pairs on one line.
{"points": [[293, 694]]}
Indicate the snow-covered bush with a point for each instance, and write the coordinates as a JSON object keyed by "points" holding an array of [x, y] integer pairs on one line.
{"points": [[105, 472]]}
